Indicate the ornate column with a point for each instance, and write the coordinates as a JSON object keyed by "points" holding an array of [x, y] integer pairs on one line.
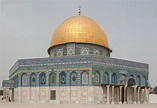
{"points": [[138, 95], [125, 94], [141, 95], [148, 95], [134, 101], [145, 95], [108, 94], [120, 95], [112, 102], [146, 100]]}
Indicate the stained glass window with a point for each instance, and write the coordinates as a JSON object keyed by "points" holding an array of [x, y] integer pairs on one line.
{"points": [[62, 78], [113, 78], [24, 79], [138, 80], [144, 81], [84, 78], [73, 78], [96, 78], [70, 49], [122, 79], [52, 78], [59, 52], [42, 78], [105, 77], [84, 51], [33, 79]]}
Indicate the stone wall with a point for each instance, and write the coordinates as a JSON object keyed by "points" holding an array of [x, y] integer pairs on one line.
{"points": [[64, 94]]}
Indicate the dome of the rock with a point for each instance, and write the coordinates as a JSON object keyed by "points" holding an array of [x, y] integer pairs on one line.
{"points": [[79, 29]]}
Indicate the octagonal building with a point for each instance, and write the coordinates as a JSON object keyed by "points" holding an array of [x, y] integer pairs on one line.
{"points": [[79, 69]]}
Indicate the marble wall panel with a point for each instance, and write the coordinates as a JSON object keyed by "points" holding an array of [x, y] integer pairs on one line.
{"points": [[62, 93], [130, 95], [98, 94], [24, 94], [84, 94], [33, 94], [42, 93], [73, 94]]}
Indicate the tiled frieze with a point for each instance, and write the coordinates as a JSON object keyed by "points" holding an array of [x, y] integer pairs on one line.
{"points": [[91, 73], [72, 49], [77, 61]]}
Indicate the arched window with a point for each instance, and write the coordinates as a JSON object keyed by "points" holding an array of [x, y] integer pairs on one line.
{"points": [[97, 78], [42, 79], [122, 79], [52, 78], [144, 81], [105, 77], [73, 78], [33, 79], [84, 78], [62, 78], [138, 80], [113, 78], [24, 79]]}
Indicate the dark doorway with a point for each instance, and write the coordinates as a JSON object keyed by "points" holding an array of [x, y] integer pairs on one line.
{"points": [[131, 82], [122, 95], [53, 95]]}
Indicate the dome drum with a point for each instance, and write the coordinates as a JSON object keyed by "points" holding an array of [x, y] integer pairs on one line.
{"points": [[74, 49]]}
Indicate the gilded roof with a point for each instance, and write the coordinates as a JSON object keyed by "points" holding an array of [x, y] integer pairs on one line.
{"points": [[79, 29]]}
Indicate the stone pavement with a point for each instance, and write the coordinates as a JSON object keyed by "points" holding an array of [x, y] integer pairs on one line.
{"points": [[4, 104]]}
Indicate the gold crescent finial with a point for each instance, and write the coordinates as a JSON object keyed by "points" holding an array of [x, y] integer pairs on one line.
{"points": [[79, 12]]}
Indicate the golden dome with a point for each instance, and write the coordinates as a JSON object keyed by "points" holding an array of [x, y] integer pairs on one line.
{"points": [[79, 29]]}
